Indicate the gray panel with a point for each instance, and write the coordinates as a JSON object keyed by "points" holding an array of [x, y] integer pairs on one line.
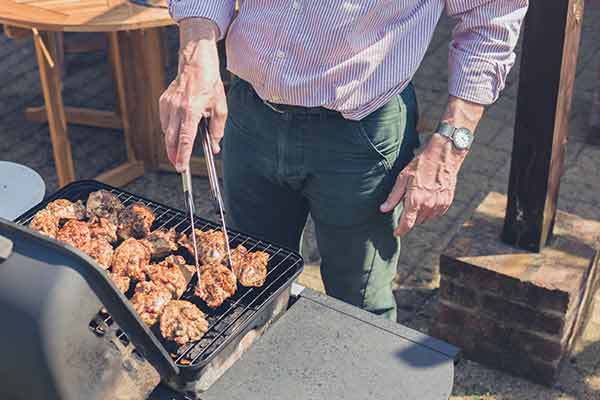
{"points": [[382, 323], [316, 352]]}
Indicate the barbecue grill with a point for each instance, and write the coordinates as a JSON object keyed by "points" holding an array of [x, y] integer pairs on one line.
{"points": [[63, 312]]}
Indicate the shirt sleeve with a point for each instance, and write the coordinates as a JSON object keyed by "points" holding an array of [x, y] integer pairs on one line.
{"points": [[482, 47], [219, 11]]}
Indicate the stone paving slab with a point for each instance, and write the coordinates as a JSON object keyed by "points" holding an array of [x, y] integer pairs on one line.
{"points": [[88, 84]]}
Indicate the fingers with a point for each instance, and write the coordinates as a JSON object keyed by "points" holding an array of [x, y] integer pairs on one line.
{"points": [[445, 201], [397, 193], [428, 209], [217, 122], [186, 138], [407, 220], [172, 135], [165, 107]]}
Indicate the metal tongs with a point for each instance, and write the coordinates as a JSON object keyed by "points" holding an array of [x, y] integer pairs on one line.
{"points": [[214, 183], [186, 179]]}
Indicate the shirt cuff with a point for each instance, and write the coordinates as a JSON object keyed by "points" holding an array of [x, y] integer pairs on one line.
{"points": [[476, 79], [218, 11]]}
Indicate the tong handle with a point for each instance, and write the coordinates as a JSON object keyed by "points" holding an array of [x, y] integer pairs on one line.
{"points": [[186, 181], [214, 182]]}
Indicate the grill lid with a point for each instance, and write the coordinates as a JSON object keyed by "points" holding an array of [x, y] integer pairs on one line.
{"points": [[6, 247], [56, 285]]}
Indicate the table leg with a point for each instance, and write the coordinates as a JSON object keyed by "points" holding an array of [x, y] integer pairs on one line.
{"points": [[50, 77], [143, 82]]}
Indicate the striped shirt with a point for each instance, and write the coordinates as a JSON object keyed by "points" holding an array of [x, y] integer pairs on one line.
{"points": [[353, 56]]}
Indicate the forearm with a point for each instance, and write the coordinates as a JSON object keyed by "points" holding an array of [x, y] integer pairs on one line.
{"points": [[197, 42], [461, 114], [219, 12]]}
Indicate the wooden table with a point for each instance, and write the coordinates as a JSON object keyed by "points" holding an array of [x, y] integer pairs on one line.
{"points": [[136, 53]]}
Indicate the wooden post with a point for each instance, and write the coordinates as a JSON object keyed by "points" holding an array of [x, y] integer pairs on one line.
{"points": [[547, 73]]}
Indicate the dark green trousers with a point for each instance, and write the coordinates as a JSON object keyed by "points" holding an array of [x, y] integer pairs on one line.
{"points": [[280, 165]]}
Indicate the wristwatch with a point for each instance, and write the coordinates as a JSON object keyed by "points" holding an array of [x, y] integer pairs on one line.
{"points": [[461, 138]]}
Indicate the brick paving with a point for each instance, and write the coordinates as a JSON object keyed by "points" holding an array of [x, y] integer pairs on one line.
{"points": [[88, 83]]}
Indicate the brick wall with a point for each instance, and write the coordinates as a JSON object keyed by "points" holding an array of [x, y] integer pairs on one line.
{"points": [[510, 309]]}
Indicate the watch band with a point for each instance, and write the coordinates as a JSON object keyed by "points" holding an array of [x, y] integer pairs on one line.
{"points": [[461, 138], [447, 130]]}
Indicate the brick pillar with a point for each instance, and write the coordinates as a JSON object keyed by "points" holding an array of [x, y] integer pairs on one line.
{"points": [[511, 309]]}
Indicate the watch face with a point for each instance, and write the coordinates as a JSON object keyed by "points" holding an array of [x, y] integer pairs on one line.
{"points": [[462, 138]]}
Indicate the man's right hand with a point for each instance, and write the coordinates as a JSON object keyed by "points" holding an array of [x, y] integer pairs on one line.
{"points": [[197, 92]]}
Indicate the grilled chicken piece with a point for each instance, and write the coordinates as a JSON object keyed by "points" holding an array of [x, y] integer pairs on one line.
{"points": [[45, 222], [149, 301], [102, 228], [66, 210], [105, 204], [211, 246], [161, 242], [182, 322], [121, 282], [217, 283], [130, 259], [76, 233], [135, 222], [169, 275], [249, 267], [101, 251]]}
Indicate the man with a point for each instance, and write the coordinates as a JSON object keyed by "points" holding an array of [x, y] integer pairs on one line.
{"points": [[323, 119]]}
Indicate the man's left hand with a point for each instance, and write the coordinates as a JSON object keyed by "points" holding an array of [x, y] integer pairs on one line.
{"points": [[427, 184]]}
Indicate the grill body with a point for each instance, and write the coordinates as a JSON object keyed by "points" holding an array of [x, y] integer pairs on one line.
{"points": [[48, 350], [63, 308]]}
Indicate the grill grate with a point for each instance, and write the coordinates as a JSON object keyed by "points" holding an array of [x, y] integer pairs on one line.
{"points": [[235, 313]]}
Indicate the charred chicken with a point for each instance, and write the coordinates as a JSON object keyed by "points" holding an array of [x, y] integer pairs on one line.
{"points": [[105, 204], [149, 301], [169, 274], [217, 283], [135, 222], [76, 233], [249, 267], [182, 322], [130, 259]]}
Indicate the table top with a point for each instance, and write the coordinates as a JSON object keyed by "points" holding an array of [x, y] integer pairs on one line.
{"points": [[20, 189], [84, 15]]}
